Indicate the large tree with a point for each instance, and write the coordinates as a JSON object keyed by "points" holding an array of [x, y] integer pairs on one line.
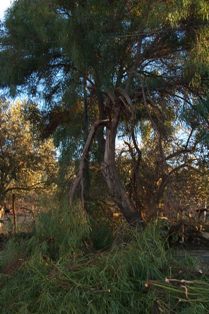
{"points": [[125, 61]]}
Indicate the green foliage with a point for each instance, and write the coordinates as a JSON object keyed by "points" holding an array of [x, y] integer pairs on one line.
{"points": [[59, 43], [79, 280], [101, 236], [61, 230], [26, 162]]}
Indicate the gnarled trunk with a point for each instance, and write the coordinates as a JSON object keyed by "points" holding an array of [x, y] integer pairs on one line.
{"points": [[111, 176], [109, 169]]}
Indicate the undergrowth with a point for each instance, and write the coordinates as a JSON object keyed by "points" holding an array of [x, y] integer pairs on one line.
{"points": [[58, 269]]}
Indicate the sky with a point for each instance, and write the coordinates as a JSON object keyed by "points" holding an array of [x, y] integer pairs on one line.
{"points": [[4, 4]]}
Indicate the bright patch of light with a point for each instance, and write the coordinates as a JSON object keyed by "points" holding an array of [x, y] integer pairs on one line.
{"points": [[4, 5]]}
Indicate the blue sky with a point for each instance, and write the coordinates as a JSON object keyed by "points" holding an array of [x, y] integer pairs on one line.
{"points": [[4, 4]]}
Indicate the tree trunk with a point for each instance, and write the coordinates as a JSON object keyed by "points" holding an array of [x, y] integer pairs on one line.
{"points": [[109, 169], [86, 172], [14, 214], [78, 182], [111, 176], [102, 116]]}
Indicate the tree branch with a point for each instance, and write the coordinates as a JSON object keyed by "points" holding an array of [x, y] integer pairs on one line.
{"points": [[79, 178]]}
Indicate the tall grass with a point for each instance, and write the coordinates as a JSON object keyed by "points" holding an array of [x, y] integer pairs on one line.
{"points": [[58, 270]]}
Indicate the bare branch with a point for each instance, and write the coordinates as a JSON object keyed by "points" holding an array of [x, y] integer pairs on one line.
{"points": [[180, 152]]}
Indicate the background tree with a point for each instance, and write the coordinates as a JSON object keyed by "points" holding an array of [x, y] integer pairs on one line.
{"points": [[26, 162]]}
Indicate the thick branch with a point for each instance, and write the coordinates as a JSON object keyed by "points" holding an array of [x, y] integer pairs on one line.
{"points": [[79, 177], [25, 188]]}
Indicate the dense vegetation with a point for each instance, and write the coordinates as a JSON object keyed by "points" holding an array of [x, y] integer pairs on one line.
{"points": [[114, 135], [58, 270], [27, 163]]}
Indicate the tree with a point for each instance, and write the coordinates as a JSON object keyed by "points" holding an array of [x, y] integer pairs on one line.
{"points": [[152, 59], [26, 162]]}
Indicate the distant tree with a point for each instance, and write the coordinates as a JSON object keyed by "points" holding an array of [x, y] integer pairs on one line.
{"points": [[26, 162]]}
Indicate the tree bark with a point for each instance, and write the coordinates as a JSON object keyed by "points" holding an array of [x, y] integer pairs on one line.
{"points": [[102, 116], [80, 176], [86, 174], [109, 169], [14, 214], [111, 176], [100, 131]]}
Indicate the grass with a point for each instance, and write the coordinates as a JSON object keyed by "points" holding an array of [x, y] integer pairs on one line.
{"points": [[59, 270]]}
